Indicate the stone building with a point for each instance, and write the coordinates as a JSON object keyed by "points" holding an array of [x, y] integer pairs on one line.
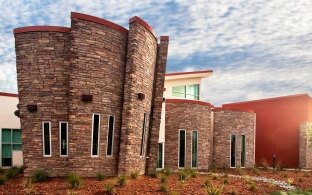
{"points": [[87, 95], [91, 100]]}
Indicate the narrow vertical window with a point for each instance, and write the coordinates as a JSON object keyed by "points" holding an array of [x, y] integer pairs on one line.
{"points": [[110, 135], [160, 156], [243, 151], [182, 145], [63, 138], [46, 138], [233, 150], [95, 135], [143, 134], [194, 148]]}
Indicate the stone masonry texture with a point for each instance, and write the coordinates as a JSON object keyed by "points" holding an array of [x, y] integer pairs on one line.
{"points": [[93, 57], [238, 123], [188, 116], [305, 146]]}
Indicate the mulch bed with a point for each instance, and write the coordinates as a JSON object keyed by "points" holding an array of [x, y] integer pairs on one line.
{"points": [[147, 185]]}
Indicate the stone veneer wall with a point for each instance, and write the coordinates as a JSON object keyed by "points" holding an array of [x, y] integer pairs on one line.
{"points": [[227, 122], [139, 78], [43, 78], [98, 59], [305, 146], [189, 115], [56, 65]]}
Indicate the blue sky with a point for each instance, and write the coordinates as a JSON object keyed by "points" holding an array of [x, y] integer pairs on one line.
{"points": [[257, 48]]}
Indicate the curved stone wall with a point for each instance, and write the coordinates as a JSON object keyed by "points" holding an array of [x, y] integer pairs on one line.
{"points": [[227, 123], [189, 115], [98, 59], [95, 57], [139, 78], [42, 72]]}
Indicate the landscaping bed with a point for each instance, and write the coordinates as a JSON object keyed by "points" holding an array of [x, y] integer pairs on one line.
{"points": [[230, 181]]}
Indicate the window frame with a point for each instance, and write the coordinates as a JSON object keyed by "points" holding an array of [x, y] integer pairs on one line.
{"points": [[185, 95], [179, 148], [92, 130], [245, 152], [60, 138], [235, 150], [197, 134], [163, 156], [113, 134], [50, 140], [145, 116]]}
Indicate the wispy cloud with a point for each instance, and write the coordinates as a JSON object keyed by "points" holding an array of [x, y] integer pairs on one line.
{"points": [[257, 48]]}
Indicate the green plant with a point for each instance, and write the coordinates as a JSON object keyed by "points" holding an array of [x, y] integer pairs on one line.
{"points": [[109, 188], [167, 171], [153, 174], [193, 173], [163, 179], [206, 182], [256, 171], [39, 176], [252, 187], [12, 172], [214, 176], [163, 187], [264, 164], [100, 176], [134, 175], [214, 189], [239, 170], [122, 179], [290, 180], [2, 180], [247, 178], [226, 181], [74, 180], [183, 175]]}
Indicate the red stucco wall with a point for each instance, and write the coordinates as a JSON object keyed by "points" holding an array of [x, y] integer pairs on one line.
{"points": [[277, 126]]}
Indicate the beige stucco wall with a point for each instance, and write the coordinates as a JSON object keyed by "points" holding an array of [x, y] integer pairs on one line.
{"points": [[178, 82], [7, 117]]}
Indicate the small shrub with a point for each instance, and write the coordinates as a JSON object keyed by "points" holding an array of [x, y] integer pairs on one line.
{"points": [[206, 183], [74, 180], [122, 179], [214, 176], [226, 181], [163, 179], [193, 173], [290, 180], [167, 171], [2, 180], [134, 175], [163, 187], [100, 176], [183, 175], [214, 189], [39, 176], [252, 187], [239, 170], [247, 178], [12, 172], [153, 174], [256, 171], [264, 164], [233, 192], [109, 188], [26, 183]]}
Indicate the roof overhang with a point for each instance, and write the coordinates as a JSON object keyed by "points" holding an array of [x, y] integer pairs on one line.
{"points": [[188, 75]]}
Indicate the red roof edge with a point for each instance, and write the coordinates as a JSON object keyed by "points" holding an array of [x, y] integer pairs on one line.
{"points": [[232, 109], [267, 99], [99, 21], [143, 23], [41, 29], [189, 101], [8, 94], [191, 72]]}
